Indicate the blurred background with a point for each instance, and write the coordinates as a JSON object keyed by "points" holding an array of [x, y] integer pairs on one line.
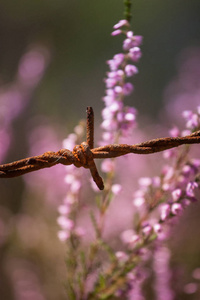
{"points": [[52, 64]]}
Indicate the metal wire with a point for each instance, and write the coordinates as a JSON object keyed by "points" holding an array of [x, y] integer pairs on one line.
{"points": [[83, 155]]}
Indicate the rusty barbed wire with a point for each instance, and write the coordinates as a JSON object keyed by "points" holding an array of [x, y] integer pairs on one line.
{"points": [[83, 155]]}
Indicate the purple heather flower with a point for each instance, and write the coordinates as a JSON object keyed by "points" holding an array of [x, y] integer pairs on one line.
{"points": [[157, 228], [176, 208], [131, 70], [63, 235], [129, 117], [116, 188], [138, 201], [116, 116], [63, 209], [176, 194], [129, 34], [121, 256], [195, 162], [110, 82], [147, 230], [121, 23], [65, 223], [127, 44], [116, 32], [187, 114], [174, 132], [164, 211], [138, 39], [185, 132], [191, 186], [145, 181], [156, 181], [134, 239], [186, 170], [193, 122], [110, 125], [135, 54]]}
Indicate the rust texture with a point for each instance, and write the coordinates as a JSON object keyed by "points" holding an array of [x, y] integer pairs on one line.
{"points": [[83, 155], [90, 127]]}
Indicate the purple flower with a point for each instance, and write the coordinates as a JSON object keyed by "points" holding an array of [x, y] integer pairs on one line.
{"points": [[121, 23], [145, 181], [128, 88], [63, 235], [157, 228], [191, 186], [176, 208], [65, 223], [164, 211], [131, 70], [116, 188], [176, 194], [174, 132], [135, 54], [147, 230], [116, 32]]}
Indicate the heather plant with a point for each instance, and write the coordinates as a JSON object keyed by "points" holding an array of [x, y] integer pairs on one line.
{"points": [[116, 241], [114, 266]]}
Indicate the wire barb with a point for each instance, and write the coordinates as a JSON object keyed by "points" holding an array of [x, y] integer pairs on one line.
{"points": [[83, 155]]}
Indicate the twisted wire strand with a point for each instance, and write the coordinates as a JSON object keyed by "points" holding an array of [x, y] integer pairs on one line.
{"points": [[83, 155]]}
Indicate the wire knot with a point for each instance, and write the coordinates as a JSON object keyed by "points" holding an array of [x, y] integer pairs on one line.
{"points": [[83, 157]]}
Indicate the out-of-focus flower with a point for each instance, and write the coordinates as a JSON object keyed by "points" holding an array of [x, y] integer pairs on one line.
{"points": [[15, 96], [163, 274]]}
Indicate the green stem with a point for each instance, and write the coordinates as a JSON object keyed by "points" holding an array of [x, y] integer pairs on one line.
{"points": [[127, 10]]}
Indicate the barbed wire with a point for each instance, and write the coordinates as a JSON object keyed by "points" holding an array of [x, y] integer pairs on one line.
{"points": [[83, 155]]}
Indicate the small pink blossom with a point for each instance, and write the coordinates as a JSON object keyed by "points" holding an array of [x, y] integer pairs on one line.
{"points": [[63, 235], [145, 181], [128, 88], [174, 132], [131, 70], [121, 23], [116, 189], [176, 208], [191, 186], [107, 166], [116, 32], [164, 211], [65, 223], [147, 230], [121, 256], [157, 228], [63, 209], [138, 201], [176, 194], [135, 54]]}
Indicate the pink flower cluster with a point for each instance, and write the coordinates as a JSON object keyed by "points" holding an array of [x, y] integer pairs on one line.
{"points": [[117, 117], [66, 221], [160, 199]]}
